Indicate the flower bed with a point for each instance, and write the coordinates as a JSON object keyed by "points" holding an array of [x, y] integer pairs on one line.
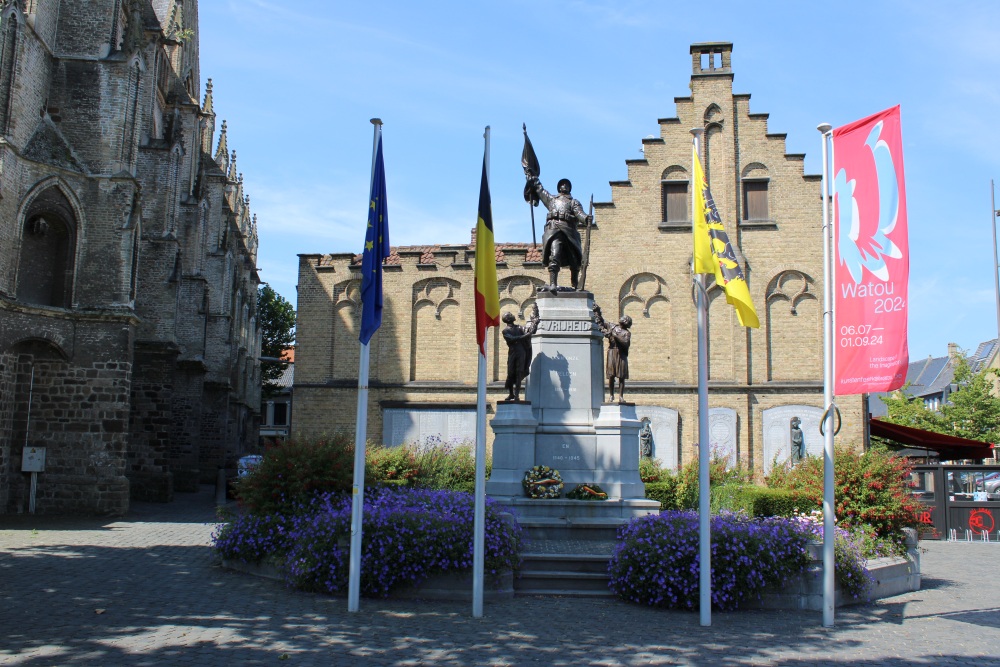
{"points": [[656, 561], [408, 535]]}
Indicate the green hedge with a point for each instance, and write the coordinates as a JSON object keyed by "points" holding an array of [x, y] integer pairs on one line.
{"points": [[752, 499], [758, 500], [665, 491]]}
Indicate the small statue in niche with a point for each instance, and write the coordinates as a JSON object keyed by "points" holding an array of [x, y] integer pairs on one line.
{"points": [[646, 440], [798, 440], [619, 339], [518, 341]]}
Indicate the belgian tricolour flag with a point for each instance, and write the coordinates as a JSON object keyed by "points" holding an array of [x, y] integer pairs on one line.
{"points": [[487, 294]]}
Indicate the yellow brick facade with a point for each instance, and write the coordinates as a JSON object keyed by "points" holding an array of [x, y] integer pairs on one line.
{"points": [[425, 352]]}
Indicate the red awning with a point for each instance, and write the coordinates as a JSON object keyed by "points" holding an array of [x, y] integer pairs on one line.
{"points": [[948, 447]]}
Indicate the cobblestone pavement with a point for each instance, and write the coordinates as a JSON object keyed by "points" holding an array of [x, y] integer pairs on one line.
{"points": [[145, 590]]}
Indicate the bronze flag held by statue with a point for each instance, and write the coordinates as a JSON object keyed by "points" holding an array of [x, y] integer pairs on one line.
{"points": [[531, 169]]}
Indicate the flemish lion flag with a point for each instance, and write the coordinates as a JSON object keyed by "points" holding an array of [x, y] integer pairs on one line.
{"points": [[713, 253], [487, 294]]}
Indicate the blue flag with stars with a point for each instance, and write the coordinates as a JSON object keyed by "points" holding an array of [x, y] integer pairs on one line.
{"points": [[376, 250]]}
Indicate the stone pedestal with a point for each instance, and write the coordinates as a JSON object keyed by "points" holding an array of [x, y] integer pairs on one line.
{"points": [[566, 426], [617, 429], [513, 448]]}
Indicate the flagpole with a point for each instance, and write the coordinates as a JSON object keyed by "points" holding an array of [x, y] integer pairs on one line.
{"points": [[829, 583], [996, 265], [479, 522], [704, 482], [360, 435]]}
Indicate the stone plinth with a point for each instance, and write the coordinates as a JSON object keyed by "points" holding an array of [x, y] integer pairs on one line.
{"points": [[513, 448], [617, 466], [566, 383], [564, 425]]}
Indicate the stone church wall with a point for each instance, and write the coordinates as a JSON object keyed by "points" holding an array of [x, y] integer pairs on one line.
{"points": [[127, 260]]}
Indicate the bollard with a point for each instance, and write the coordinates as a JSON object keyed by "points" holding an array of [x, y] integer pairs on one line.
{"points": [[220, 487]]}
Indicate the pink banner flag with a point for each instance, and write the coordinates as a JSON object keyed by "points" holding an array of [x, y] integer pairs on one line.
{"points": [[871, 255]]}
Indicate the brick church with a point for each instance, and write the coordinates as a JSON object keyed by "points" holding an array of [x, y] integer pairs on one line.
{"points": [[128, 340], [423, 359]]}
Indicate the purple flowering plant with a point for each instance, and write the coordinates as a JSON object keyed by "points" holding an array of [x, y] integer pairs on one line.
{"points": [[407, 535], [252, 538], [657, 562], [849, 553]]}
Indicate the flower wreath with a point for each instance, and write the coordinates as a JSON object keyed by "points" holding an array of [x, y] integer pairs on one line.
{"points": [[542, 482], [587, 492]]}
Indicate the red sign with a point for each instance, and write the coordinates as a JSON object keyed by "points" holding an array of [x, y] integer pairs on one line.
{"points": [[871, 256]]}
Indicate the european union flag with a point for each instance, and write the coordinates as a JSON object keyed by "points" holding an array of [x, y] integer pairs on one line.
{"points": [[376, 250]]}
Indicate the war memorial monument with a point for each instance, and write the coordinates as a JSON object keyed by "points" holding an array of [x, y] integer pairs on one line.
{"points": [[563, 423]]}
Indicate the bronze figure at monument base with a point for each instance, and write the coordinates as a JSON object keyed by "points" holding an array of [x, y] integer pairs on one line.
{"points": [[619, 339]]}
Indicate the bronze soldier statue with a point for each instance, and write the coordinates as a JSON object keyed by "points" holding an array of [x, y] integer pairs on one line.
{"points": [[619, 338], [518, 341], [561, 245]]}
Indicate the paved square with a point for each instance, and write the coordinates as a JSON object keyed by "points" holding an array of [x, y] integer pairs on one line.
{"points": [[146, 590]]}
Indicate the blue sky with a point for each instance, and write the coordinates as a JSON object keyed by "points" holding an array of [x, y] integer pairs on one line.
{"points": [[299, 81]]}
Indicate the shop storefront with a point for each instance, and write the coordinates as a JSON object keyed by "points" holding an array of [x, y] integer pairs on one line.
{"points": [[960, 500], [956, 499]]}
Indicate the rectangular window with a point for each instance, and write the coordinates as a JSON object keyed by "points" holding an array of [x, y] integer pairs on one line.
{"points": [[755, 201], [280, 414], [675, 201]]}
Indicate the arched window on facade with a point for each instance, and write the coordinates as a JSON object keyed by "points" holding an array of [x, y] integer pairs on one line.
{"points": [[119, 20], [9, 30], [130, 126], [674, 196], [755, 180], [45, 265]]}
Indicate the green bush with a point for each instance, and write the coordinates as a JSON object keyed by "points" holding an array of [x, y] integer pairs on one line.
{"points": [[433, 465], [678, 490], [757, 500], [870, 488], [664, 491], [294, 471], [397, 465], [651, 470]]}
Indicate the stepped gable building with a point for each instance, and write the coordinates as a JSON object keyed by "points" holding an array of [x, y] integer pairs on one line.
{"points": [[423, 359], [128, 283]]}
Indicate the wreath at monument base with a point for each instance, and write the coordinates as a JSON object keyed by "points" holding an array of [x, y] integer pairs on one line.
{"points": [[542, 482], [587, 492]]}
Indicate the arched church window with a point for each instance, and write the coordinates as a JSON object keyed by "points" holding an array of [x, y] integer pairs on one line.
{"points": [[131, 114], [119, 19], [8, 64], [45, 265]]}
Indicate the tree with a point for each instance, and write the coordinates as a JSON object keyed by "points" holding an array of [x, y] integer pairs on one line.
{"points": [[911, 411], [972, 410], [277, 331]]}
